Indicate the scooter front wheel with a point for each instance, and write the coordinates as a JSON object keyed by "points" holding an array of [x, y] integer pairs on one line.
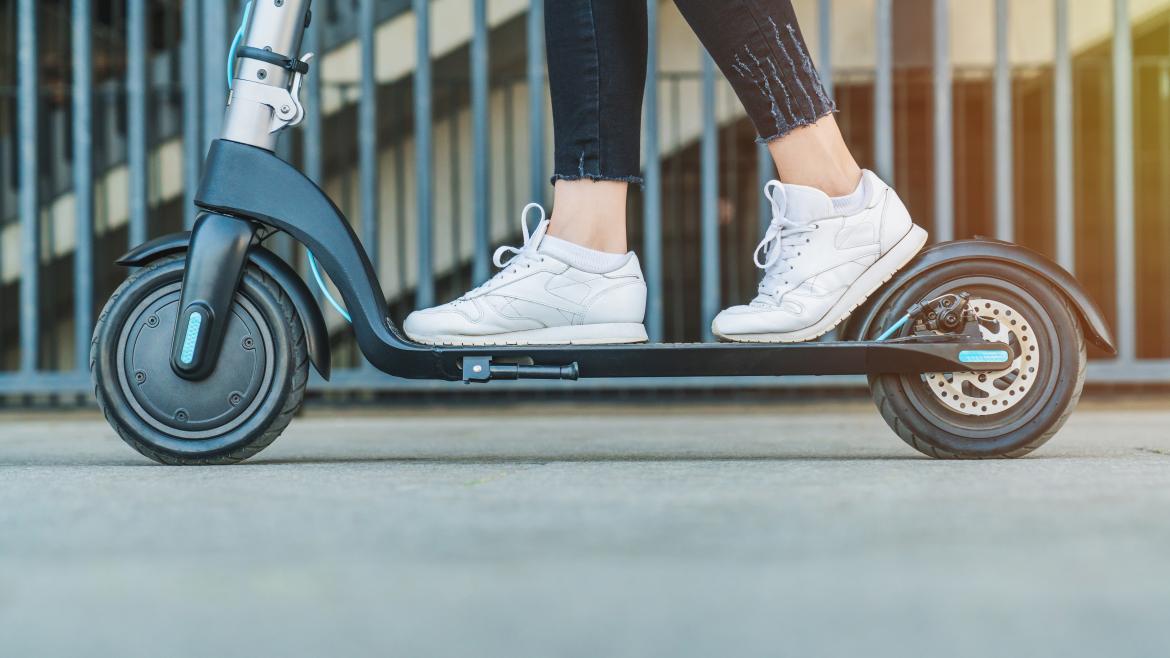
{"points": [[256, 387], [1007, 413]]}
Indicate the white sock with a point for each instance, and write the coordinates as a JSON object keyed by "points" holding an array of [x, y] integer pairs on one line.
{"points": [[852, 203], [582, 258]]}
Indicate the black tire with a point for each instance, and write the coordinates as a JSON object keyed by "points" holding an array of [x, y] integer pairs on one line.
{"points": [[257, 386], [925, 416]]}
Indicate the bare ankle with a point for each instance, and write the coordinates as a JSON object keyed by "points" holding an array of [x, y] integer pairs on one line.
{"points": [[590, 232], [816, 156], [591, 214]]}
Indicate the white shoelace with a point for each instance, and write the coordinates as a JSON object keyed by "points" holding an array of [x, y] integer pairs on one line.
{"points": [[522, 255], [780, 243]]}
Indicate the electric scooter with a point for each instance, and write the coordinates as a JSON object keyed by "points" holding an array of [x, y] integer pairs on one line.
{"points": [[976, 349]]}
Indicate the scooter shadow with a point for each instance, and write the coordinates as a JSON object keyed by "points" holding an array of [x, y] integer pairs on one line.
{"points": [[576, 458]]}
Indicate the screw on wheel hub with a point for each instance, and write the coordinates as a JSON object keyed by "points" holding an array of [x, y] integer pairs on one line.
{"points": [[989, 393]]}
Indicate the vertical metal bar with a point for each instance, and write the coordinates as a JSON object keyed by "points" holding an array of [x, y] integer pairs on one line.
{"points": [[509, 147], [82, 47], [883, 92], [676, 211], [480, 142], [1123, 141], [192, 118], [652, 198], [368, 131], [729, 180], [455, 187], [1004, 193], [765, 171], [536, 101], [944, 147], [399, 107], [28, 89], [825, 55], [312, 85], [1163, 167], [423, 144], [214, 36], [1063, 120], [709, 191], [312, 123], [136, 58]]}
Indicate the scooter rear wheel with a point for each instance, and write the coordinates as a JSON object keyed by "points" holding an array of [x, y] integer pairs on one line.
{"points": [[256, 387], [1008, 413]]}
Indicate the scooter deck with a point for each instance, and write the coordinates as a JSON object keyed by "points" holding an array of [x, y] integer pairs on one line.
{"points": [[911, 355]]}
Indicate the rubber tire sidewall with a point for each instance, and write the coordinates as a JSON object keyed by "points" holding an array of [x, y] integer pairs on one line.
{"points": [[289, 366], [903, 416]]}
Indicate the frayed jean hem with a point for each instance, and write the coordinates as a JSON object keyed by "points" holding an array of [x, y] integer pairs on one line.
{"points": [[801, 122], [635, 180]]}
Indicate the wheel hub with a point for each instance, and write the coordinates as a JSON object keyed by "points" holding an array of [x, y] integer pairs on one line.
{"points": [[989, 393], [193, 409]]}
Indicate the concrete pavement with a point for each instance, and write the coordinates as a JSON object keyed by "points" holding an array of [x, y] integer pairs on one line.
{"points": [[786, 529]]}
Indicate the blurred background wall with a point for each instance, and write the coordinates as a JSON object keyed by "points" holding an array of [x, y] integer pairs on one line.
{"points": [[1046, 122]]}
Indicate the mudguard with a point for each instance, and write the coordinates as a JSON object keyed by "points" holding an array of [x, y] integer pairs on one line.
{"points": [[861, 323], [316, 333]]}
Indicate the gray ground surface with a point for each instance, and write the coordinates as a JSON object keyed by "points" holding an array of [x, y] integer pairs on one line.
{"points": [[605, 531]]}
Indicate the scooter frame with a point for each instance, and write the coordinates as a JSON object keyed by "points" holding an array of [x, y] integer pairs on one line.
{"points": [[247, 192]]}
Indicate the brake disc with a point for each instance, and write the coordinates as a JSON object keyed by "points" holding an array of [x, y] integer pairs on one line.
{"points": [[989, 393]]}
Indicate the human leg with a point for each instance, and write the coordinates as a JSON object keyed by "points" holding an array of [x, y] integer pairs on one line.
{"points": [[572, 281], [837, 233]]}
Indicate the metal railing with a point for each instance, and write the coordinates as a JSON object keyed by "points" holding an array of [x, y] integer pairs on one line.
{"points": [[205, 37]]}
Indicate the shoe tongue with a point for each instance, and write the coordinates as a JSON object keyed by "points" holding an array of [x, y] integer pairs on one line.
{"points": [[807, 204]]}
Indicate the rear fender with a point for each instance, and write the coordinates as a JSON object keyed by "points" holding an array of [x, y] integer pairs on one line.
{"points": [[861, 324]]}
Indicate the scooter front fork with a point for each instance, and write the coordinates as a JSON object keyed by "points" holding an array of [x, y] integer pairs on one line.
{"points": [[215, 263]]}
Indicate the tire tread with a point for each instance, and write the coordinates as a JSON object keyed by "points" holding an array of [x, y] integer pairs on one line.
{"points": [[293, 400], [885, 404]]}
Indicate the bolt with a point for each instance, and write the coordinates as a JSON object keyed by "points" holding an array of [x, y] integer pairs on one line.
{"points": [[262, 74], [152, 321], [140, 376], [248, 343], [181, 415], [235, 399], [477, 369], [284, 109]]}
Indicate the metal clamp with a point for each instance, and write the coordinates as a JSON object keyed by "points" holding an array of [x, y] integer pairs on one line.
{"points": [[287, 109]]}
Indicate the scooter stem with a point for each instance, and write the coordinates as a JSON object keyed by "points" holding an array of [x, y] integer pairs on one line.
{"points": [[264, 90]]}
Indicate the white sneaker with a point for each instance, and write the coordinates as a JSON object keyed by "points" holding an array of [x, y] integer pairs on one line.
{"points": [[538, 299], [820, 263]]}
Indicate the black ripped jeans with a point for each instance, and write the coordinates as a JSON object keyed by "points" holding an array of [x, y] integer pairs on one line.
{"points": [[597, 74]]}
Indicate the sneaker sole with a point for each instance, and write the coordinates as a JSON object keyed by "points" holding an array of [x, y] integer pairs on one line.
{"points": [[866, 285], [582, 334]]}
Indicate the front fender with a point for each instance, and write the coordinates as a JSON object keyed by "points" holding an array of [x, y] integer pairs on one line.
{"points": [[316, 333], [1092, 319]]}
